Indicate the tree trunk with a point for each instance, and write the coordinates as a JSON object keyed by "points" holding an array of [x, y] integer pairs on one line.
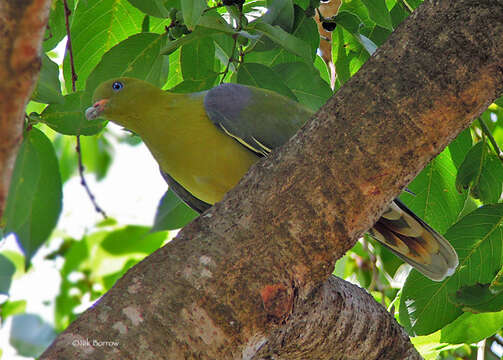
{"points": [[22, 28], [250, 278]]}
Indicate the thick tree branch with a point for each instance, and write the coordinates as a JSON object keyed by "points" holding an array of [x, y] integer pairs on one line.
{"points": [[236, 283], [22, 28]]}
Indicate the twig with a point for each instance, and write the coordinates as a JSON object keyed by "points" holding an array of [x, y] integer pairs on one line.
{"points": [[74, 88], [69, 43], [231, 59], [84, 182], [488, 133]]}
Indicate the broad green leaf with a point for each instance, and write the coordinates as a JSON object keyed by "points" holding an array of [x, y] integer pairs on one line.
{"points": [[430, 346], [305, 82], [48, 90], [96, 155], [436, 199], [7, 270], [379, 13], [132, 239], [424, 305], [460, 146], [263, 77], [172, 213], [151, 7], [304, 29], [18, 260], [190, 86], [472, 328], [340, 57], [349, 21], [68, 118], [198, 33], [477, 299], [279, 12], [482, 172], [30, 335], [56, 29], [65, 152], [192, 11], [283, 39], [137, 56], [197, 59], [97, 27], [214, 21], [398, 14], [34, 199], [11, 308]]}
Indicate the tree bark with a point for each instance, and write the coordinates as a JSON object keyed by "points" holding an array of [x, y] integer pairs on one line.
{"points": [[250, 278], [22, 28]]}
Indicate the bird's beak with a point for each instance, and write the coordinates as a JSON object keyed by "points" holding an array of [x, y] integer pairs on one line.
{"points": [[96, 110]]}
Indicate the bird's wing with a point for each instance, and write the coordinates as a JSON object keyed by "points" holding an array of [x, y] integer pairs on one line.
{"points": [[189, 199], [416, 242], [259, 119]]}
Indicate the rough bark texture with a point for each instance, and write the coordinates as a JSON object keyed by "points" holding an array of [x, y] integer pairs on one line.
{"points": [[248, 279], [22, 28]]}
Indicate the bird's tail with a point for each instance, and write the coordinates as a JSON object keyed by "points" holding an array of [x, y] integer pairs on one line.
{"points": [[415, 242]]}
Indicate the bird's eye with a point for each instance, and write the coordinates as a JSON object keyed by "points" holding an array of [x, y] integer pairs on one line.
{"points": [[117, 86]]}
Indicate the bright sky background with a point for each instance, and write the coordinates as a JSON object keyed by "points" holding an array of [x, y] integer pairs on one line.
{"points": [[129, 193]]}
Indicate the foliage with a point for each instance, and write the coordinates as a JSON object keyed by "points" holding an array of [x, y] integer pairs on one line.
{"points": [[189, 46]]}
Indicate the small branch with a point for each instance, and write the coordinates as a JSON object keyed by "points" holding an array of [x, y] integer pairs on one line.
{"points": [[74, 88], [84, 182], [487, 132], [231, 59]]}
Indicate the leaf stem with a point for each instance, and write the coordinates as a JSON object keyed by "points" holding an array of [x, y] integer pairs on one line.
{"points": [[487, 132]]}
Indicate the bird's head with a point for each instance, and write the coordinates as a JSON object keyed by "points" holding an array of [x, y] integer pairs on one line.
{"points": [[120, 99]]}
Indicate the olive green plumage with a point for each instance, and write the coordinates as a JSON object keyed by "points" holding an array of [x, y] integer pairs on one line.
{"points": [[205, 142]]}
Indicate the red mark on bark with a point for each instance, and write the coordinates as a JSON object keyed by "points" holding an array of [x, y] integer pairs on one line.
{"points": [[277, 300]]}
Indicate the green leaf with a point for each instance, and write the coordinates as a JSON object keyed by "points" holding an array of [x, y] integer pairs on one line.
{"points": [[30, 335], [379, 13], [472, 328], [263, 77], [305, 82], [34, 200], [137, 56], [48, 88], [349, 21], [11, 308], [192, 11], [482, 172], [279, 12], [68, 118], [96, 155], [133, 239], [112, 22], [151, 7], [340, 57], [283, 39], [56, 29], [190, 86], [7, 270], [197, 59], [460, 146], [172, 213], [477, 299], [436, 199], [215, 21], [477, 238], [198, 33]]}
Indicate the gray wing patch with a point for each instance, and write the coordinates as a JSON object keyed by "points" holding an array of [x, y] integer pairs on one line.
{"points": [[258, 119]]}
